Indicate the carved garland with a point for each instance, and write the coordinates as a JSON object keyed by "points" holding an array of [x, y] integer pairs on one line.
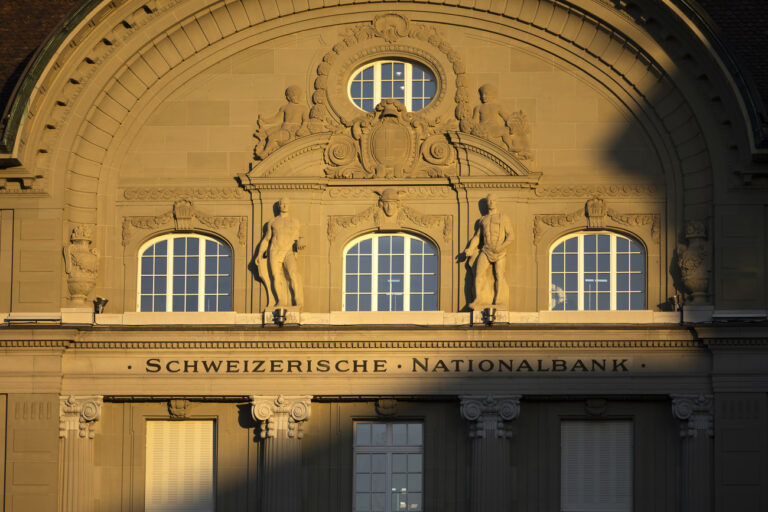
{"points": [[182, 217], [594, 213], [376, 216]]}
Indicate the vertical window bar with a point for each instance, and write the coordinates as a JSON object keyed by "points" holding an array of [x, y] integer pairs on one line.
{"points": [[580, 276], [408, 93], [376, 84], [614, 281]]}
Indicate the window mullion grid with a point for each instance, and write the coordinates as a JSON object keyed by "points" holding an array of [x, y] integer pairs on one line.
{"points": [[374, 273], [376, 84], [580, 276], [613, 281], [169, 277]]}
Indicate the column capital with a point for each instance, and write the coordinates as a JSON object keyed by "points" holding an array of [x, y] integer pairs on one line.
{"points": [[489, 412], [279, 413], [79, 413], [696, 413]]}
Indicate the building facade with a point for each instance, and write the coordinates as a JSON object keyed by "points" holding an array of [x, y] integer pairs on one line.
{"points": [[373, 256]]}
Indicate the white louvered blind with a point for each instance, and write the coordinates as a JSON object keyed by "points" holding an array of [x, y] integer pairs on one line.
{"points": [[180, 466], [596, 466]]}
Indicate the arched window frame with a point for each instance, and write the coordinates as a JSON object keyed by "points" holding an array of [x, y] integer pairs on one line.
{"points": [[407, 272], [367, 104], [201, 274], [613, 270]]}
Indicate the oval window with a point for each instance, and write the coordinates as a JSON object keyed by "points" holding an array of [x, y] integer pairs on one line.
{"points": [[412, 84]]}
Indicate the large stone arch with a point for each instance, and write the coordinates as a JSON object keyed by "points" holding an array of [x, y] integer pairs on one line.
{"points": [[119, 56]]}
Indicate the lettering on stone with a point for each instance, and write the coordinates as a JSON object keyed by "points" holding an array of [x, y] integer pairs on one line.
{"points": [[416, 365]]}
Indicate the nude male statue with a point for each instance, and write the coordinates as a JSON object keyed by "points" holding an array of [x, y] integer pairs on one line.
{"points": [[276, 261], [489, 118], [290, 121], [487, 254]]}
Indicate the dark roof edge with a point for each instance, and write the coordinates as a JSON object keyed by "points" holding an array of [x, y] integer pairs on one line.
{"points": [[747, 89], [18, 102]]}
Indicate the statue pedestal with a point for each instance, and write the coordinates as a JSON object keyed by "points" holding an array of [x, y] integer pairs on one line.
{"points": [[697, 314], [77, 315], [292, 317], [479, 317]]}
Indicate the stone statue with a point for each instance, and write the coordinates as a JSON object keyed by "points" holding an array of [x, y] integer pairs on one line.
{"points": [[487, 255], [81, 263], [290, 122], [276, 261], [694, 262], [491, 121]]}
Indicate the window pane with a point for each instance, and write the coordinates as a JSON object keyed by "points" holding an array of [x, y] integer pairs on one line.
{"points": [[180, 466], [596, 466], [399, 433], [608, 263], [363, 433]]}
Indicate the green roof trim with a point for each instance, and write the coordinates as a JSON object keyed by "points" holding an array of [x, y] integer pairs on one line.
{"points": [[21, 95]]}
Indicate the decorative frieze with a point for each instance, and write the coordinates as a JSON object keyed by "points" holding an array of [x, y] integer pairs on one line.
{"points": [[695, 412], [79, 414], [489, 412], [281, 415], [189, 193]]}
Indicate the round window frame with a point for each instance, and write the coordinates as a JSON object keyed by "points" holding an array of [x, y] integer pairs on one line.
{"points": [[386, 59]]}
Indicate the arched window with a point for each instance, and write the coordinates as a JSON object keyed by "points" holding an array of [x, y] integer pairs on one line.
{"points": [[185, 272], [412, 84], [597, 271], [390, 272]]}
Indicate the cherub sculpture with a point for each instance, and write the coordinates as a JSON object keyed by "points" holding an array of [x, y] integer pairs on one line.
{"points": [[290, 122]]}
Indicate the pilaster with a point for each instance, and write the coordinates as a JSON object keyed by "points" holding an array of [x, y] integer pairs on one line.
{"points": [[695, 413], [77, 418], [282, 421], [490, 469]]}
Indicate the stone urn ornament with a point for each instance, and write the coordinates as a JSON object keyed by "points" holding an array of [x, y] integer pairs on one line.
{"points": [[694, 262], [81, 263]]}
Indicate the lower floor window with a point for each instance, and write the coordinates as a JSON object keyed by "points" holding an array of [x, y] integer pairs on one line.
{"points": [[180, 466], [596, 466], [389, 467]]}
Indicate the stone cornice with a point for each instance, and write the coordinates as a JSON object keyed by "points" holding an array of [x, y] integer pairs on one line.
{"points": [[362, 344]]}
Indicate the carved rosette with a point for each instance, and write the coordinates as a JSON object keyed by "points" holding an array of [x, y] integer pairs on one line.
{"points": [[695, 413], [79, 414], [81, 263], [281, 415], [489, 412], [694, 262]]}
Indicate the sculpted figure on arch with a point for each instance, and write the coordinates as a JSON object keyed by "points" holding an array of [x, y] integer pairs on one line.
{"points": [[491, 121], [487, 256], [276, 259], [289, 122]]}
